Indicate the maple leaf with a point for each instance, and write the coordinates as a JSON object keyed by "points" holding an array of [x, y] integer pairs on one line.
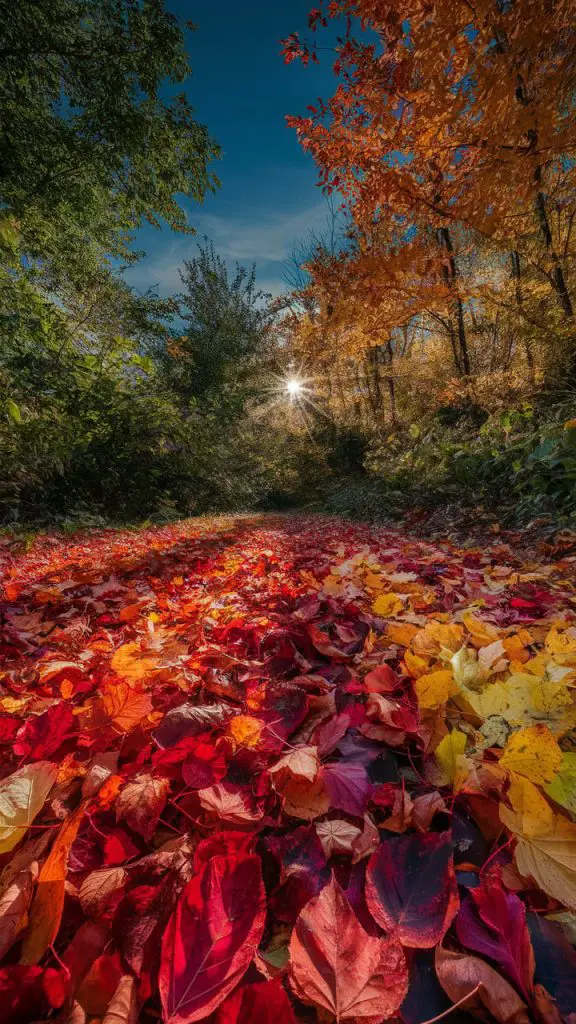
{"points": [[125, 705], [433, 689], [230, 802], [302, 763], [211, 937], [534, 753], [337, 966], [548, 857]]}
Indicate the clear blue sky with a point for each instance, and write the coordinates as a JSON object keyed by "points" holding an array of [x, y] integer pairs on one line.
{"points": [[242, 90]]}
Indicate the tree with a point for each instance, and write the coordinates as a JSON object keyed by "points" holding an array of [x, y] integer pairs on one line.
{"points": [[454, 114], [227, 326], [89, 145]]}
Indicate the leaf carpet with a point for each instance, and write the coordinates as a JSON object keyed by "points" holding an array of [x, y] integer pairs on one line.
{"points": [[280, 769]]}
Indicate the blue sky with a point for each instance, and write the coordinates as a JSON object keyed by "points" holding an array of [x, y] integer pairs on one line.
{"points": [[242, 90]]}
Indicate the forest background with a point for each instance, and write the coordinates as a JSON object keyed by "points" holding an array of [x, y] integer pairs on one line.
{"points": [[430, 329]]}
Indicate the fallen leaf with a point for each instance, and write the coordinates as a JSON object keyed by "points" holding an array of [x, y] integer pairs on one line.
{"points": [[492, 922], [562, 788], [211, 938], [337, 836], [14, 903], [534, 753], [48, 903], [141, 803], [22, 797], [336, 965], [411, 888], [462, 975]]}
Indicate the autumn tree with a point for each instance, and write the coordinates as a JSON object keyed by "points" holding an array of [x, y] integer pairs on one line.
{"points": [[453, 114]]}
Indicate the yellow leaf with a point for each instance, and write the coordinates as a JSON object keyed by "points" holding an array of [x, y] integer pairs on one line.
{"points": [[531, 812], [401, 633], [246, 730], [434, 688], [22, 797], [131, 664], [450, 758], [436, 635], [562, 645], [523, 699], [482, 633], [534, 753], [12, 705], [549, 859], [415, 665], [387, 605]]}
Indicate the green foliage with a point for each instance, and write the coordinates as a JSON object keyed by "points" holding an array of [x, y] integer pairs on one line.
{"points": [[521, 464], [89, 148]]}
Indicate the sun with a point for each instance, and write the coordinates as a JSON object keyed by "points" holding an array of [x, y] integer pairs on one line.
{"points": [[294, 386]]}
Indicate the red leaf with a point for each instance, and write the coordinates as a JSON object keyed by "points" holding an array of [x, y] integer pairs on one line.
{"points": [[304, 871], [204, 766], [336, 965], [348, 786], [411, 888], [211, 937], [492, 922], [43, 734], [262, 1003], [381, 680]]}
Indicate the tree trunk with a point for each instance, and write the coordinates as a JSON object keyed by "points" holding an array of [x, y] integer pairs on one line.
{"points": [[558, 280], [390, 381], [450, 276], [517, 276]]}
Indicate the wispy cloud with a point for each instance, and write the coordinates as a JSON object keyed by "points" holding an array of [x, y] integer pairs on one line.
{"points": [[268, 239], [265, 239]]}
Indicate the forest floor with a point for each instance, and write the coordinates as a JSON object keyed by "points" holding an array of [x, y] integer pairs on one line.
{"points": [[287, 768]]}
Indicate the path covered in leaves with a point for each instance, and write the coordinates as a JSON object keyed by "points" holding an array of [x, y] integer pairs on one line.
{"points": [[277, 770]]}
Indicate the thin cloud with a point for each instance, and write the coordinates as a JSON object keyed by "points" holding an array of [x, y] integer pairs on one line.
{"points": [[265, 241]]}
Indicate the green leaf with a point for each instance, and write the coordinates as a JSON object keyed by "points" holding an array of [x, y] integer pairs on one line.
{"points": [[562, 789], [13, 411]]}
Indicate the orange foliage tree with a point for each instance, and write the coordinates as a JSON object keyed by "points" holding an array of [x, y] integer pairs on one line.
{"points": [[450, 128]]}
